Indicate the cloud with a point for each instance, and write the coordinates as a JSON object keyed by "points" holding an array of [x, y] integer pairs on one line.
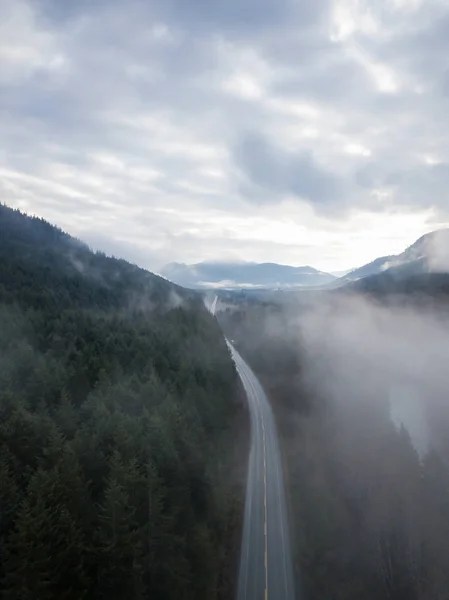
{"points": [[418, 183], [169, 123], [25, 48], [274, 172], [240, 18], [364, 357]]}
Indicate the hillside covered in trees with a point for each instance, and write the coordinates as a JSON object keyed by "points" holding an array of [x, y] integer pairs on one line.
{"points": [[121, 422]]}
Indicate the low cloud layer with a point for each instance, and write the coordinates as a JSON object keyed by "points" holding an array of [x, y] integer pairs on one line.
{"points": [[285, 131], [370, 360]]}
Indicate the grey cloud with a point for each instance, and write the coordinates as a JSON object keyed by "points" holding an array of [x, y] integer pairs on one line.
{"points": [[233, 18], [336, 81], [120, 70], [242, 17], [277, 172], [420, 185], [420, 44]]}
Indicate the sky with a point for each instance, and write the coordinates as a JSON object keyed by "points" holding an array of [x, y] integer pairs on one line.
{"points": [[265, 130]]}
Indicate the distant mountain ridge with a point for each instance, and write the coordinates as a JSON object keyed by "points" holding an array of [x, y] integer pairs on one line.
{"points": [[240, 275], [429, 254]]}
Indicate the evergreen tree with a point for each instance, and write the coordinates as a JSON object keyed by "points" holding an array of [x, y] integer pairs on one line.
{"points": [[116, 410]]}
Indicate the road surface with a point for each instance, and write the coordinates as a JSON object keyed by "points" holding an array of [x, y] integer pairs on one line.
{"points": [[266, 568]]}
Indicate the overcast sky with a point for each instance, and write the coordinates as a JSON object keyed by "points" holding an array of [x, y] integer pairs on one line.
{"points": [[293, 131]]}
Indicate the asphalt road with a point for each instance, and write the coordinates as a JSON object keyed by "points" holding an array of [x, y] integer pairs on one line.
{"points": [[266, 568]]}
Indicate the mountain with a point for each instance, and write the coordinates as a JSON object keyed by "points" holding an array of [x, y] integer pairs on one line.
{"points": [[120, 421], [341, 273], [435, 285], [31, 248], [429, 254], [244, 275]]}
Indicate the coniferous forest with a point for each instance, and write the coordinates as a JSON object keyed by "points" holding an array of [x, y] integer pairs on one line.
{"points": [[121, 428], [124, 434]]}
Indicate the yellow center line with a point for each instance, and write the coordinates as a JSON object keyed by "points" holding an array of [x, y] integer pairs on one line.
{"points": [[265, 505]]}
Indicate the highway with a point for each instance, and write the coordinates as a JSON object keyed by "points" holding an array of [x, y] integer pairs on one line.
{"points": [[266, 568]]}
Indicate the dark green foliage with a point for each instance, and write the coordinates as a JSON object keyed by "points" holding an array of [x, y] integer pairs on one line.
{"points": [[118, 409]]}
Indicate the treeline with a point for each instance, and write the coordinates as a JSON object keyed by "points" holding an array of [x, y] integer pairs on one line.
{"points": [[120, 426], [369, 514]]}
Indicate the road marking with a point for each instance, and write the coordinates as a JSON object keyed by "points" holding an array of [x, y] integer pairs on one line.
{"points": [[278, 473], [265, 506], [257, 400]]}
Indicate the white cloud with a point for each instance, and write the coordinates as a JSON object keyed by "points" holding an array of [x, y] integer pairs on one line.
{"points": [[358, 149], [299, 135], [25, 47]]}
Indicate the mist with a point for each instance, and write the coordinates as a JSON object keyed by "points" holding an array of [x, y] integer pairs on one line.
{"points": [[359, 390], [363, 357], [438, 251]]}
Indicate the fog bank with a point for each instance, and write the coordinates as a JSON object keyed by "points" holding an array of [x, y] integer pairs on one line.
{"points": [[363, 357]]}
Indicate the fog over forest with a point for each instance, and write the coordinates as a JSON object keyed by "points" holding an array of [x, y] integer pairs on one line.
{"points": [[224, 300], [123, 427], [359, 387], [361, 355]]}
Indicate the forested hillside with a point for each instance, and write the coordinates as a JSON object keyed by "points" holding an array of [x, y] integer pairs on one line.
{"points": [[359, 390], [120, 426]]}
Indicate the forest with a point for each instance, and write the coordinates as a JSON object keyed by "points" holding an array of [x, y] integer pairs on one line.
{"points": [[359, 390], [122, 426]]}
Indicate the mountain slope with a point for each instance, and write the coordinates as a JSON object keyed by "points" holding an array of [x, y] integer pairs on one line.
{"points": [[119, 414], [244, 275], [429, 254], [430, 285], [74, 273]]}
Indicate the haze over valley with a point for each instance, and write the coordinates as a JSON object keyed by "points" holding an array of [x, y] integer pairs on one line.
{"points": [[224, 300], [427, 255], [103, 362]]}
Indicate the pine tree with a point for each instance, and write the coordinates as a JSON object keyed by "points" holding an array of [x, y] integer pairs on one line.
{"points": [[45, 552]]}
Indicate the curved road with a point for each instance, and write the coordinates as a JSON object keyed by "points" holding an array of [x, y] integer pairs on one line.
{"points": [[266, 569]]}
